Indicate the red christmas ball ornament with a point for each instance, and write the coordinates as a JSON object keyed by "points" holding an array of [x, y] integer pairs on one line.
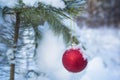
{"points": [[73, 60]]}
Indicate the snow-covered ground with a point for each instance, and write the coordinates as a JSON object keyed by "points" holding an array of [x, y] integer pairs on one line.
{"points": [[103, 46], [102, 50], [103, 53]]}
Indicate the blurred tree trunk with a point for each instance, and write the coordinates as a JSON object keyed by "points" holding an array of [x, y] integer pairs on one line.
{"points": [[116, 14], [102, 12], [16, 34]]}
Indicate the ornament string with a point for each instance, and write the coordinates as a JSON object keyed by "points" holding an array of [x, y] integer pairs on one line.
{"points": [[72, 37]]}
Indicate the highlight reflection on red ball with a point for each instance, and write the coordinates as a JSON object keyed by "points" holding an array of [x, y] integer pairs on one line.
{"points": [[73, 60]]}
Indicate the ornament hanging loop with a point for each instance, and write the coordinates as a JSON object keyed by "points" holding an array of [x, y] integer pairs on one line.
{"points": [[74, 41]]}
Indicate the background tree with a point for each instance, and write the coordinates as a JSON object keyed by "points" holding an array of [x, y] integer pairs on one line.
{"points": [[102, 12]]}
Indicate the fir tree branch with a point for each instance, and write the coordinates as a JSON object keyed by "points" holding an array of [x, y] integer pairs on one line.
{"points": [[34, 16], [59, 28]]}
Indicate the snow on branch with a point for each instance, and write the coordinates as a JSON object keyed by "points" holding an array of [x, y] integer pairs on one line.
{"points": [[13, 3]]}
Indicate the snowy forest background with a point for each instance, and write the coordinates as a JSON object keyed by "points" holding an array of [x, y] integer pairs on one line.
{"points": [[97, 27]]}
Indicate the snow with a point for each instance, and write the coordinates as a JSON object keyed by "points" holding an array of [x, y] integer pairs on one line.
{"points": [[48, 56], [102, 46], [8, 3], [103, 53], [30, 2], [54, 3], [13, 3], [97, 71]]}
